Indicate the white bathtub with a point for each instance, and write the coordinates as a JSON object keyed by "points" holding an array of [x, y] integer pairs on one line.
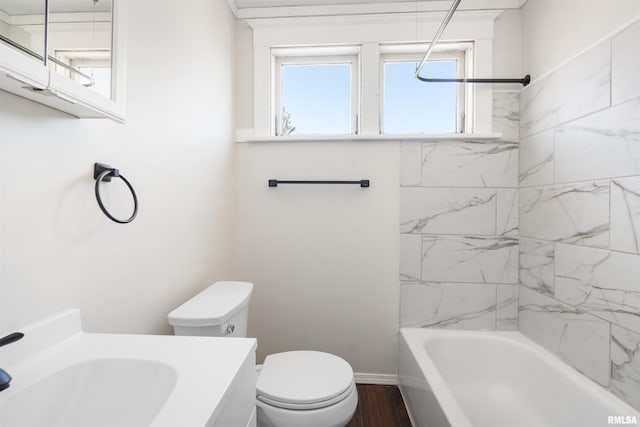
{"points": [[497, 379]]}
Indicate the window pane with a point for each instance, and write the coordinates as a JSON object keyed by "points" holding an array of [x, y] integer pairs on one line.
{"points": [[316, 99], [412, 106]]}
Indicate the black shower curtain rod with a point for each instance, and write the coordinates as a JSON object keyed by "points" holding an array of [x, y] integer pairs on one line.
{"points": [[523, 81]]}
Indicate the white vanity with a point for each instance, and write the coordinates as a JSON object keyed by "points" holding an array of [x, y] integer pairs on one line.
{"points": [[65, 377]]}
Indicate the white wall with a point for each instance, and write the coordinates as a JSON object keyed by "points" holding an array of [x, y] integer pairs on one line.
{"points": [[507, 48], [324, 259], [58, 250], [243, 93], [555, 30]]}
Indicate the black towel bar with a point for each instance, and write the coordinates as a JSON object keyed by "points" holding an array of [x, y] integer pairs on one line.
{"points": [[364, 183]]}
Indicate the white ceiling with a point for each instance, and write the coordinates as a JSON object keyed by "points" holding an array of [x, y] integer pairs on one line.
{"points": [[291, 8], [245, 4]]}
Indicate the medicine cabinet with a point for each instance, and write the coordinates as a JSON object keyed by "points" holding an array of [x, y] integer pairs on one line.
{"points": [[67, 54]]}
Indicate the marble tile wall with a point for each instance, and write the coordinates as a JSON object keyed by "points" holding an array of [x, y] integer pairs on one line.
{"points": [[459, 228], [579, 213]]}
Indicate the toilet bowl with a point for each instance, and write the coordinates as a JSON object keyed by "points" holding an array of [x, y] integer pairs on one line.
{"points": [[305, 389], [294, 388]]}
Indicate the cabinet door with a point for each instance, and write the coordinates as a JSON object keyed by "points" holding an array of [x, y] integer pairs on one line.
{"points": [[22, 26], [22, 35], [80, 42], [86, 53], [83, 71]]}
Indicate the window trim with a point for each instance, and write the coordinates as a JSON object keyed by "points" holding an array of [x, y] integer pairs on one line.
{"points": [[371, 34], [446, 52], [314, 55]]}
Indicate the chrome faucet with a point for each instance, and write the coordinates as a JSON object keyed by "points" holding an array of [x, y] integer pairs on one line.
{"points": [[5, 378]]}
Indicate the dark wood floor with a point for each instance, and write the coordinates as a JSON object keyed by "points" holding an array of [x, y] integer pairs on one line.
{"points": [[380, 406]]}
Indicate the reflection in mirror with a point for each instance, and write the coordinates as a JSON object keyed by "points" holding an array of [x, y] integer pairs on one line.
{"points": [[22, 25], [80, 42]]}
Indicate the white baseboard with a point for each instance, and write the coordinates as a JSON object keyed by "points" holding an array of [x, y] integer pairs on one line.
{"points": [[383, 379]]}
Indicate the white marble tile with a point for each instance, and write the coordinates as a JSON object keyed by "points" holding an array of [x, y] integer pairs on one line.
{"points": [[417, 302], [578, 338], [507, 212], [470, 164], [410, 163], [537, 265], [571, 213], [447, 210], [506, 114], [448, 305], [410, 257], [625, 214], [625, 65], [536, 159], [470, 259], [507, 307], [602, 282], [625, 365], [577, 88], [603, 145]]}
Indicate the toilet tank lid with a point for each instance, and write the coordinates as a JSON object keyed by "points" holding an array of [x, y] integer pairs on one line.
{"points": [[213, 306]]}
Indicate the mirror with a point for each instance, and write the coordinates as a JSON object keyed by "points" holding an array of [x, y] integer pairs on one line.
{"points": [[22, 26], [80, 42], [67, 54]]}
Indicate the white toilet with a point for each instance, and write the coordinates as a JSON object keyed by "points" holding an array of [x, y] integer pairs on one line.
{"points": [[294, 388]]}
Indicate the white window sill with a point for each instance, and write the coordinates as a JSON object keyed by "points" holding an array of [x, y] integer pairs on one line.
{"points": [[355, 138]]}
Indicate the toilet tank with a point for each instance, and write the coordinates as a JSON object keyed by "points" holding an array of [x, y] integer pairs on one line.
{"points": [[221, 310]]}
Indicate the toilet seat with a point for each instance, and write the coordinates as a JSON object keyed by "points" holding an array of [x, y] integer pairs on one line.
{"points": [[307, 406], [337, 415], [304, 380]]}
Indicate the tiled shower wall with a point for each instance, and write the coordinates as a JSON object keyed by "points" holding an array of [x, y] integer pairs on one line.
{"points": [[459, 228], [578, 228], [580, 213]]}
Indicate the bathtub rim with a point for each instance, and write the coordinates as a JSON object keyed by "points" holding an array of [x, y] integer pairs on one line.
{"points": [[414, 338]]}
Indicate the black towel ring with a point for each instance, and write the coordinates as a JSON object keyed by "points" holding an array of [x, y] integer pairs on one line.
{"points": [[102, 172]]}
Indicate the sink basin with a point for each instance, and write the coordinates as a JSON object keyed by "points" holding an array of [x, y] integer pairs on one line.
{"points": [[102, 392], [63, 376]]}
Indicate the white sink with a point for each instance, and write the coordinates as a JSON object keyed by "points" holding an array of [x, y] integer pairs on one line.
{"points": [[67, 378], [77, 396]]}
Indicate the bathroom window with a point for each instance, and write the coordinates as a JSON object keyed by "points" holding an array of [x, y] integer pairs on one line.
{"points": [[315, 94], [409, 106]]}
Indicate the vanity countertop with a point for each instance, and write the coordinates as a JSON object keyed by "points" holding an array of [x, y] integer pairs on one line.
{"points": [[199, 374]]}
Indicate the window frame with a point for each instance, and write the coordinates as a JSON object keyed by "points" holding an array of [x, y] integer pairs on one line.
{"points": [[370, 33], [413, 52], [314, 55]]}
